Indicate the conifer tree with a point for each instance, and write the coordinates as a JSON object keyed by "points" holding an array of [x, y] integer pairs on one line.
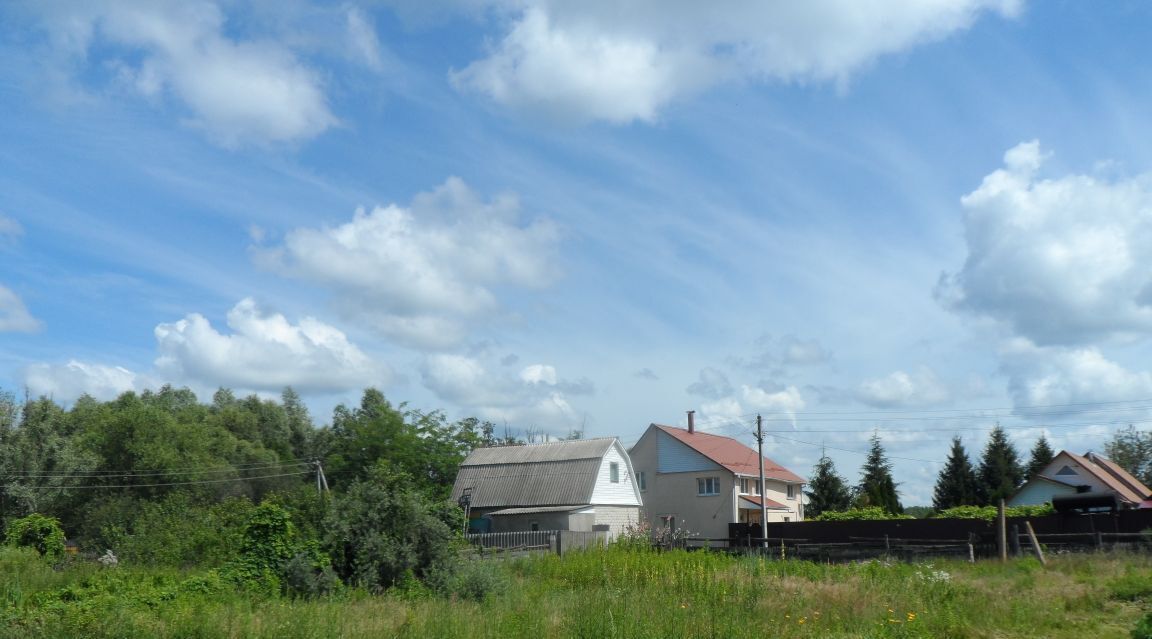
{"points": [[829, 490], [1000, 473], [1042, 455], [956, 485], [876, 485]]}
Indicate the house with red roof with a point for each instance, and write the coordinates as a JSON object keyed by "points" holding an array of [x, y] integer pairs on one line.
{"points": [[1072, 474], [701, 482]]}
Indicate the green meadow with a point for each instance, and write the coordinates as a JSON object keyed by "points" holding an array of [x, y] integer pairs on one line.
{"points": [[611, 593]]}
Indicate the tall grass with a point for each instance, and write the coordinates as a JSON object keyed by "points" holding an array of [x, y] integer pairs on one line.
{"points": [[611, 593]]}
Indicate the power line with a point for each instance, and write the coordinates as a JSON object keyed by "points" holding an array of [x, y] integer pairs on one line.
{"points": [[179, 483], [111, 474]]}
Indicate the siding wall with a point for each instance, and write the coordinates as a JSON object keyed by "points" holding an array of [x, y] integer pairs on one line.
{"points": [[676, 457], [623, 492]]}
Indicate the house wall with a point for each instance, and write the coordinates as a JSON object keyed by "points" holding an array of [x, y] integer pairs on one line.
{"points": [[616, 518], [582, 520], [673, 494], [1036, 492], [622, 492], [1082, 477], [778, 491]]}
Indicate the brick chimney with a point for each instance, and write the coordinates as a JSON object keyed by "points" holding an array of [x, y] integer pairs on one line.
{"points": [[691, 421]]}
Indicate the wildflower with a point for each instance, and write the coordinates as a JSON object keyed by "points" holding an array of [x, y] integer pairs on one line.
{"points": [[802, 620]]}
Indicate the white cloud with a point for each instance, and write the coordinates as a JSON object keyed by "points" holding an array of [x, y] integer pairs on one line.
{"points": [[1059, 376], [9, 228], [362, 39], [602, 59], [14, 316], [778, 355], [535, 398], [69, 381], [1059, 261], [901, 389], [237, 91], [786, 401], [713, 384], [418, 273], [263, 352]]}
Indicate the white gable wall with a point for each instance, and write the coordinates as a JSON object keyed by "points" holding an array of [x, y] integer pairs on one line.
{"points": [[1081, 478], [622, 493]]}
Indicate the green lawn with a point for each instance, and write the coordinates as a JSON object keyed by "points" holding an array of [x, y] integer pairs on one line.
{"points": [[612, 593]]}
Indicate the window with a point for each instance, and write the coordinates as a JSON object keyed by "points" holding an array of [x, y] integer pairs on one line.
{"points": [[535, 526], [641, 480], [708, 486], [745, 484], [791, 491], [614, 473]]}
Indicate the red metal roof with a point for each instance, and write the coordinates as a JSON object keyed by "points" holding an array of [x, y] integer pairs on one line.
{"points": [[731, 454]]}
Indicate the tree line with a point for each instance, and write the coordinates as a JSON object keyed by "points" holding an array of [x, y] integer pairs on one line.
{"points": [[998, 475]]}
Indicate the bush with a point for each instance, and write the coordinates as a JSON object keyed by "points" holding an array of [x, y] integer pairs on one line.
{"points": [[1143, 629], [989, 513], [308, 575], [37, 531], [473, 581], [381, 532], [872, 513]]}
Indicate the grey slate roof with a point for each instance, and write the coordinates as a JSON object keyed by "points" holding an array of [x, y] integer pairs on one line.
{"points": [[551, 474]]}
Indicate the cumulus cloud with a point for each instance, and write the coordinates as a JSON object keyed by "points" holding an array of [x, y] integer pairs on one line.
{"points": [[536, 397], [69, 381], [900, 389], [1060, 261], [1061, 376], [778, 355], [713, 384], [14, 316], [417, 274], [785, 401], [263, 352], [238, 91], [606, 60]]}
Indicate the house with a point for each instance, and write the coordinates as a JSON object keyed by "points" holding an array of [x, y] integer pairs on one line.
{"points": [[701, 482], [1071, 474], [585, 484]]}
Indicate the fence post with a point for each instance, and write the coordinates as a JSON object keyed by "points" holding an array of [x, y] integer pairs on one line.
{"points": [[1002, 532], [1014, 540]]}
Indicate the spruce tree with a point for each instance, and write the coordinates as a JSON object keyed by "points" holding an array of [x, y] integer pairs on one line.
{"points": [[1042, 455], [1000, 473], [829, 492], [876, 485], [956, 484]]}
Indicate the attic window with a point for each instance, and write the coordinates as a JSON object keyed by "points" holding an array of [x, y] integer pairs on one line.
{"points": [[1067, 470], [614, 472]]}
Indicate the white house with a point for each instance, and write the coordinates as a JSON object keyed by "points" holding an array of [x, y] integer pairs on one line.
{"points": [[585, 484], [1071, 474], [701, 482]]}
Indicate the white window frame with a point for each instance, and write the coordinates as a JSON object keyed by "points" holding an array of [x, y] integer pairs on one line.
{"points": [[614, 472], [792, 492], [707, 486]]}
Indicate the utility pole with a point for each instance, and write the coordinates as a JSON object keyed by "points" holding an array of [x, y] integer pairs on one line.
{"points": [[321, 480], [763, 503]]}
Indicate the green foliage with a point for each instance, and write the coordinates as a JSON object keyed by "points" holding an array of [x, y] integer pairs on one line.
{"points": [[424, 446], [382, 531], [1000, 473], [37, 531], [1041, 455], [989, 513], [860, 514], [829, 491], [636, 535], [919, 512], [1143, 629], [1132, 450], [877, 487], [956, 485]]}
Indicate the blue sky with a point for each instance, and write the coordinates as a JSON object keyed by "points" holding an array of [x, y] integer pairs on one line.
{"points": [[912, 218]]}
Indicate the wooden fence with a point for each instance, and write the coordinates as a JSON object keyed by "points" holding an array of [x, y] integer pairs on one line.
{"points": [[537, 541]]}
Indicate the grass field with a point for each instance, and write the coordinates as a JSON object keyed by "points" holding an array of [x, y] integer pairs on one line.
{"points": [[613, 593]]}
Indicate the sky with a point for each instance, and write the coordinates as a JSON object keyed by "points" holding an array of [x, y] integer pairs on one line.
{"points": [[908, 218]]}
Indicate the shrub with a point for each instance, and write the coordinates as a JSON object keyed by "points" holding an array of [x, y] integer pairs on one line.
{"points": [[473, 581], [859, 514], [635, 536], [1143, 629], [37, 531], [381, 532], [308, 574], [989, 513]]}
